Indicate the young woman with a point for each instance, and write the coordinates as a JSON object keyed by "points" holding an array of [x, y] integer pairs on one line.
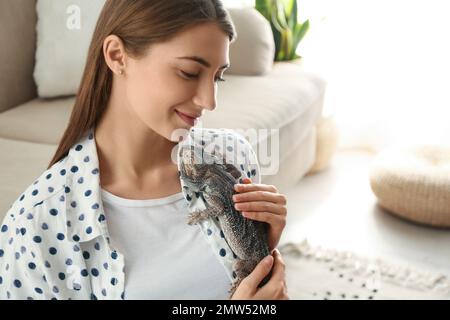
{"points": [[108, 218]]}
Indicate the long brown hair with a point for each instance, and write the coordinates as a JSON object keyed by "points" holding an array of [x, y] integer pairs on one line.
{"points": [[139, 24]]}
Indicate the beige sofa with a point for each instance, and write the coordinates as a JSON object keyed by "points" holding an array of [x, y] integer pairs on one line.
{"points": [[289, 99]]}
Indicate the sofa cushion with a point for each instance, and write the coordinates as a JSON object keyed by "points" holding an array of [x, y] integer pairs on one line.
{"points": [[62, 44], [253, 52], [39, 120], [23, 162], [18, 45]]}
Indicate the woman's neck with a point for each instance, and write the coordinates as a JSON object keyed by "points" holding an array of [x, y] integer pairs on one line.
{"points": [[133, 159]]}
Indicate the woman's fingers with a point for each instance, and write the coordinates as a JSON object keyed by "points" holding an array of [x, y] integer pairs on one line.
{"points": [[261, 270], [260, 195], [278, 272], [254, 187], [278, 278], [263, 206]]}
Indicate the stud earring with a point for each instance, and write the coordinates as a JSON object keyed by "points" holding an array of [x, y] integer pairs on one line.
{"points": [[121, 72]]}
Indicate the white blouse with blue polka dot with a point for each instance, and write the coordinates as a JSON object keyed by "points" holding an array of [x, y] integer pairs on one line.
{"points": [[54, 240]]}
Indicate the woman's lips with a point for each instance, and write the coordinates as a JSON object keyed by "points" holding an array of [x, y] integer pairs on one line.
{"points": [[189, 120]]}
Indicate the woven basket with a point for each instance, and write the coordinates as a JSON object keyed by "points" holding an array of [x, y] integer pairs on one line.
{"points": [[414, 183]]}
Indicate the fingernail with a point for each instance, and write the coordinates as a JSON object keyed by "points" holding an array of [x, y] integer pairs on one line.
{"points": [[268, 260]]}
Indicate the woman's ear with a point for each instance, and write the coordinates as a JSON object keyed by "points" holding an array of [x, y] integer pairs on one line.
{"points": [[114, 53]]}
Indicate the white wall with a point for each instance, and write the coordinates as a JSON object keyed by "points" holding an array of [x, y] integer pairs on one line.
{"points": [[388, 66]]}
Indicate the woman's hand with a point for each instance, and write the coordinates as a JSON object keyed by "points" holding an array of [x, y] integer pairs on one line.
{"points": [[274, 289], [262, 203]]}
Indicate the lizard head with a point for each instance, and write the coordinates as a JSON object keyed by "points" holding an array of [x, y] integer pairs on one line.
{"points": [[193, 162], [197, 166]]}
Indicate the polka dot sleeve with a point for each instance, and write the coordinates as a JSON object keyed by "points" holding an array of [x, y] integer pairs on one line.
{"points": [[249, 164], [21, 276]]}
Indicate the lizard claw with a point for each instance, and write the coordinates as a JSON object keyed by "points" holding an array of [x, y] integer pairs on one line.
{"points": [[197, 216]]}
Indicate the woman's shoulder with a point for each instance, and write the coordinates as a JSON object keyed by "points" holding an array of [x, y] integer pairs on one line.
{"points": [[46, 188]]}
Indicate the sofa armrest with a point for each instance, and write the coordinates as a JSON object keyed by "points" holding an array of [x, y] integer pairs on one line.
{"points": [[17, 54]]}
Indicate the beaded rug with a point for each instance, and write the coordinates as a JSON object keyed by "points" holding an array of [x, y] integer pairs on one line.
{"points": [[320, 273]]}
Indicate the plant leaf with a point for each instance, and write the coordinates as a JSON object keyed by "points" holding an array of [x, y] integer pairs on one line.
{"points": [[275, 22], [300, 31], [287, 32], [281, 15], [264, 7], [290, 8]]}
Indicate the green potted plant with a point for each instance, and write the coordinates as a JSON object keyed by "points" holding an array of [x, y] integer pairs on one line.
{"points": [[287, 31]]}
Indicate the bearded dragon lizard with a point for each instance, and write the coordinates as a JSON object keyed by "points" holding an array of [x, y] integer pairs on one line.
{"points": [[213, 180]]}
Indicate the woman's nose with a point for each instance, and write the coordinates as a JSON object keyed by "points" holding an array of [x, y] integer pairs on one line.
{"points": [[206, 97], [209, 105]]}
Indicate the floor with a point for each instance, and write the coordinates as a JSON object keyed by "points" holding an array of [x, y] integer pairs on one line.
{"points": [[337, 209]]}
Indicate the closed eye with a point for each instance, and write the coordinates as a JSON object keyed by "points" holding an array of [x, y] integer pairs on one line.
{"points": [[195, 76]]}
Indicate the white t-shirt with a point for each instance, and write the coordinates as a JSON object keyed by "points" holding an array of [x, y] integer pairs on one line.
{"points": [[165, 258]]}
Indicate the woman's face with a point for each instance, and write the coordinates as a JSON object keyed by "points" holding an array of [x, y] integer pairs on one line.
{"points": [[158, 86]]}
